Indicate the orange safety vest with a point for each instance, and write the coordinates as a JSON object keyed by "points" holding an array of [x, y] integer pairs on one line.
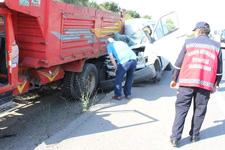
{"points": [[199, 67]]}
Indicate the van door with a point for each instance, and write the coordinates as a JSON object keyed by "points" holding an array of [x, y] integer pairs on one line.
{"points": [[167, 38]]}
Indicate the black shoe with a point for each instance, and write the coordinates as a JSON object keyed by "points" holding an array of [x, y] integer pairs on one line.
{"points": [[195, 138], [128, 97], [117, 97], [174, 143]]}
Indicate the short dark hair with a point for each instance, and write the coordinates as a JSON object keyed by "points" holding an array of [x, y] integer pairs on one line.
{"points": [[205, 31]]}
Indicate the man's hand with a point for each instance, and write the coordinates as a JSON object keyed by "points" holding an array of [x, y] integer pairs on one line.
{"points": [[115, 68], [173, 85], [215, 88], [113, 61]]}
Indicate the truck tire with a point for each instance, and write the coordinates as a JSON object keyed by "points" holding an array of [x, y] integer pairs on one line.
{"points": [[78, 85], [66, 88], [158, 70], [169, 67]]}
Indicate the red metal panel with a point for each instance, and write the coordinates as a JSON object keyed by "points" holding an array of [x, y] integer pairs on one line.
{"points": [[30, 39], [48, 75], [54, 33], [31, 8], [77, 23], [77, 36], [11, 52], [22, 87], [76, 66], [50, 34]]}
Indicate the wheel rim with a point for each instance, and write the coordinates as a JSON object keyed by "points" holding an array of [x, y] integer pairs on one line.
{"points": [[158, 71], [90, 83]]}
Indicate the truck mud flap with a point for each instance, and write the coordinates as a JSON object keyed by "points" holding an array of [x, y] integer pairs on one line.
{"points": [[146, 74], [6, 101]]}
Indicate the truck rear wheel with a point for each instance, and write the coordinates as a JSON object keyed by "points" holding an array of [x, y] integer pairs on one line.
{"points": [[80, 85]]}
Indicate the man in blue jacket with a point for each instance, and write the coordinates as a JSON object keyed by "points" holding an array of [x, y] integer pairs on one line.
{"points": [[124, 61]]}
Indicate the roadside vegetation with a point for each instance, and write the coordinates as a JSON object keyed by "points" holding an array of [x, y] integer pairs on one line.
{"points": [[108, 6]]}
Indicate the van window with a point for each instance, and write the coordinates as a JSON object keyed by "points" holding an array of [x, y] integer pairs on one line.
{"points": [[170, 23], [166, 25], [158, 31]]}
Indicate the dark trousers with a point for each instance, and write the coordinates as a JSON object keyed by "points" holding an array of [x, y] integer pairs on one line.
{"points": [[127, 68], [184, 98]]}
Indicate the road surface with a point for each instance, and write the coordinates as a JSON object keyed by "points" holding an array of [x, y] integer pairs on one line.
{"points": [[142, 123]]}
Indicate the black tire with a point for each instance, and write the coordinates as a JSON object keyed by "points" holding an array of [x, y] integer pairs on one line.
{"points": [[158, 69], [106, 85], [81, 84], [67, 86], [169, 67]]}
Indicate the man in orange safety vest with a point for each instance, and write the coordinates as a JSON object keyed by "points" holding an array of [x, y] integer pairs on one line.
{"points": [[198, 70]]}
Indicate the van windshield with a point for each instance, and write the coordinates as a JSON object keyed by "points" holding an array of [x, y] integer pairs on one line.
{"points": [[139, 30]]}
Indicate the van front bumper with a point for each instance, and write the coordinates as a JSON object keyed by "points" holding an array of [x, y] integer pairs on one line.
{"points": [[145, 74]]}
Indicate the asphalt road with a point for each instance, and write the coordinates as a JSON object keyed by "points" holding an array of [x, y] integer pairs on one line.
{"points": [[143, 122], [36, 120]]}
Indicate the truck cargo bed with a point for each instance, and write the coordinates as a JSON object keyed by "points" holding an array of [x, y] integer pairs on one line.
{"points": [[58, 33]]}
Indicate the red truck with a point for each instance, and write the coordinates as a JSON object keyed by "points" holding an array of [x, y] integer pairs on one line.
{"points": [[43, 41], [46, 41]]}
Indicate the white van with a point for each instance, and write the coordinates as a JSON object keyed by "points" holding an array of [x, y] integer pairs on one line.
{"points": [[155, 43], [152, 43]]}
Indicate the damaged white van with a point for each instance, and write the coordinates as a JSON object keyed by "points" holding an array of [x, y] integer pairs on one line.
{"points": [[150, 41], [147, 39]]}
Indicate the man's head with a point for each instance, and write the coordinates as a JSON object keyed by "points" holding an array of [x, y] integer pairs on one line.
{"points": [[202, 28], [110, 40]]}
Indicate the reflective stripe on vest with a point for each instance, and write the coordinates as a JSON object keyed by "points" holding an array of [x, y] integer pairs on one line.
{"points": [[198, 82]]}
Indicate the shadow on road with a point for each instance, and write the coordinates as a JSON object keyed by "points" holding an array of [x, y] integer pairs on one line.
{"points": [[221, 89], [100, 124], [156, 90], [36, 120], [214, 131], [210, 132]]}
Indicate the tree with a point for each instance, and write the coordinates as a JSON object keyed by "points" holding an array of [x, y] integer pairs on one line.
{"points": [[131, 14], [147, 17], [94, 5], [77, 2], [111, 6], [170, 25]]}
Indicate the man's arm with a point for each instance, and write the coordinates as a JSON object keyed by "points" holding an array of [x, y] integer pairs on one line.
{"points": [[177, 67], [113, 61], [219, 69], [111, 57], [178, 64]]}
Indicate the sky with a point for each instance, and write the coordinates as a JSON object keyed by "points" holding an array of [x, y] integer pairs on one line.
{"points": [[189, 11]]}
